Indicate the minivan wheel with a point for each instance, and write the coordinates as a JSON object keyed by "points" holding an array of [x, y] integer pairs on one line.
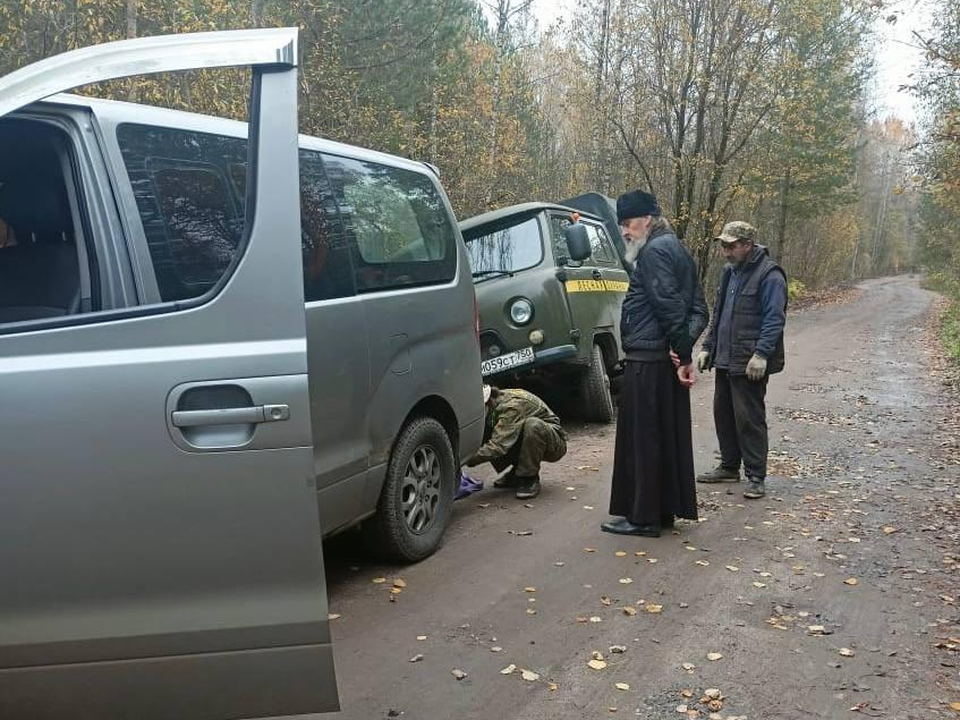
{"points": [[417, 495], [595, 389]]}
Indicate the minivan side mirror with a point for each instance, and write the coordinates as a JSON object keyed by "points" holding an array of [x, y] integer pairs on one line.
{"points": [[578, 242]]}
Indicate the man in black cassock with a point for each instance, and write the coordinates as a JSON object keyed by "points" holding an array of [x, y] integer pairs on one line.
{"points": [[663, 314]]}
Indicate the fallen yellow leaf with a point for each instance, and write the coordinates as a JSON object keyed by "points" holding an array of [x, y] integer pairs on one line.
{"points": [[631, 611], [529, 676], [597, 664], [623, 686], [334, 616], [509, 669], [651, 608], [689, 667], [733, 568], [846, 652], [851, 581], [702, 563], [626, 581], [955, 706], [400, 583], [530, 589], [379, 580], [640, 553], [396, 590], [714, 656], [421, 638], [620, 553]]}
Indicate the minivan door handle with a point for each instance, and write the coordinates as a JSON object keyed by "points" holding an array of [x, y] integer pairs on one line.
{"points": [[597, 275], [231, 416]]}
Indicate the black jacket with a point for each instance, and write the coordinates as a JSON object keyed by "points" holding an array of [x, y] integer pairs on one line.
{"points": [[664, 308]]}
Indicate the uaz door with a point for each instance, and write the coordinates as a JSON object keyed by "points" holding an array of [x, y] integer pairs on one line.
{"points": [[159, 535]]}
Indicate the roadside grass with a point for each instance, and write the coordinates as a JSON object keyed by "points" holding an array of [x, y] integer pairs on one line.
{"points": [[949, 323]]}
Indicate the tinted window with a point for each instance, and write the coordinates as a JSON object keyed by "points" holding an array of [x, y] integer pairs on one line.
{"points": [[396, 218], [190, 189], [191, 218], [327, 268], [512, 248]]}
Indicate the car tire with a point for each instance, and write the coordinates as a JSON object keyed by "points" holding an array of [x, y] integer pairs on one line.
{"points": [[595, 390], [417, 495]]}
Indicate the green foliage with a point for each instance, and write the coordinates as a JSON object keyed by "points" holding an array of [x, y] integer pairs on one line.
{"points": [[795, 290], [727, 109], [948, 284], [950, 332], [939, 155]]}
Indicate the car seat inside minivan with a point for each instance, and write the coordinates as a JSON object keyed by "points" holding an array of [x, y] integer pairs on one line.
{"points": [[39, 261]]}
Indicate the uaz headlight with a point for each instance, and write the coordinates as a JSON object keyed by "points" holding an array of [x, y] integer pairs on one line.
{"points": [[521, 311]]}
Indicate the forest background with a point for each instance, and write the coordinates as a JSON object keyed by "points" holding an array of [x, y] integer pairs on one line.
{"points": [[758, 110]]}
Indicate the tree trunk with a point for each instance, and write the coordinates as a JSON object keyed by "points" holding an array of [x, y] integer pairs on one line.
{"points": [[600, 80], [782, 219], [132, 17], [500, 43], [256, 13]]}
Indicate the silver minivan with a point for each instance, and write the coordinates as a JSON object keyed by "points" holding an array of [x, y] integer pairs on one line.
{"points": [[215, 340]]}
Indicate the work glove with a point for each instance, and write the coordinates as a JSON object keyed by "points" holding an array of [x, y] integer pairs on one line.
{"points": [[756, 368], [703, 360]]}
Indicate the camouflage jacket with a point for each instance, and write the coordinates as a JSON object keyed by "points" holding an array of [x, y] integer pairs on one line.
{"points": [[505, 421]]}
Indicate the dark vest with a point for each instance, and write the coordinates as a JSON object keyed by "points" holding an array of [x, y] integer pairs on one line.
{"points": [[748, 316]]}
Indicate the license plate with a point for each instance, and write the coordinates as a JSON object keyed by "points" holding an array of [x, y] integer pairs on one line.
{"points": [[505, 362]]}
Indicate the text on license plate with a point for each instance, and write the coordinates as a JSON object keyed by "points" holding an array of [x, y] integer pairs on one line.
{"points": [[505, 362]]}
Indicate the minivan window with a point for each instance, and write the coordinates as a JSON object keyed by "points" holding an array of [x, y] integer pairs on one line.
{"points": [[190, 192], [400, 226], [191, 219], [509, 249]]}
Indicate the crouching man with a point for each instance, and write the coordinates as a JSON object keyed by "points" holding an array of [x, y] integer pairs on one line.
{"points": [[521, 432]]}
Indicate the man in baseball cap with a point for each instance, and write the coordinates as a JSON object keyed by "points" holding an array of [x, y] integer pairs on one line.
{"points": [[751, 307]]}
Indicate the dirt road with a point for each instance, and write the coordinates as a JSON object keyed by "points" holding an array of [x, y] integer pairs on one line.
{"points": [[826, 599]]}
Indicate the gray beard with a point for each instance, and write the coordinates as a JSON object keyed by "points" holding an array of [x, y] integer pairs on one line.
{"points": [[633, 248]]}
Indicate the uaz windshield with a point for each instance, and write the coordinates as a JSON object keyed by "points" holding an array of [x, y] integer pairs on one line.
{"points": [[505, 250]]}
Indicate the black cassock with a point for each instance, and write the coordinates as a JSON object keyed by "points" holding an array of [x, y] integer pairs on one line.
{"points": [[653, 459]]}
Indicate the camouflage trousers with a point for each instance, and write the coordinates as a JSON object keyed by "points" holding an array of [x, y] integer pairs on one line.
{"points": [[539, 442]]}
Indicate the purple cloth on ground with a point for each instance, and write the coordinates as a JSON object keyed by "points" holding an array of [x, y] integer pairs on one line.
{"points": [[468, 486]]}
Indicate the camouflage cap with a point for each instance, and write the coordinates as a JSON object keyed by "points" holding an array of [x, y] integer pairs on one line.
{"points": [[737, 230]]}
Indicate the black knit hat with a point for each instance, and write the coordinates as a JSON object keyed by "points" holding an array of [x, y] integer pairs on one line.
{"points": [[636, 203]]}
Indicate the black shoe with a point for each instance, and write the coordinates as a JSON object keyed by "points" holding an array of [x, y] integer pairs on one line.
{"points": [[528, 488], [754, 488], [720, 474], [506, 481], [623, 526], [666, 521]]}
